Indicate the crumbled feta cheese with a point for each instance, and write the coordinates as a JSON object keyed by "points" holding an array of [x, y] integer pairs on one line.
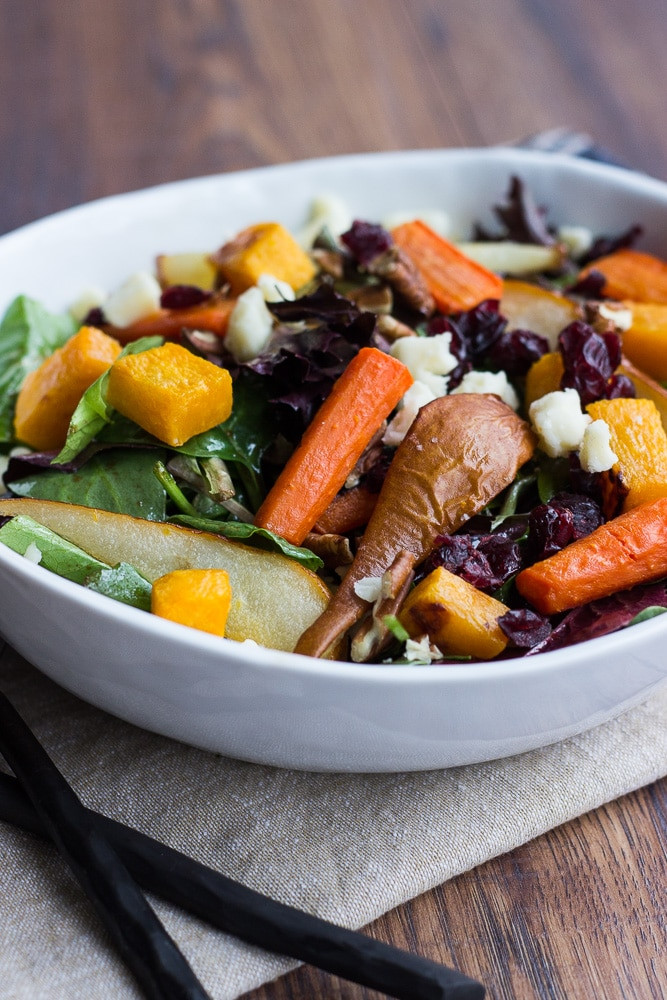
{"points": [[417, 395], [428, 359], [496, 383], [437, 220], [327, 211], [595, 454], [421, 651], [558, 421], [617, 314], [90, 298], [33, 553], [275, 290], [137, 297], [578, 239], [250, 325], [369, 588]]}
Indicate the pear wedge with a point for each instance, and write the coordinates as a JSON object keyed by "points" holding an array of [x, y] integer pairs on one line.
{"points": [[274, 599]]}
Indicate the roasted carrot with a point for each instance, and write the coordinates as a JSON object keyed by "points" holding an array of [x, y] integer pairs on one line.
{"points": [[168, 323], [347, 511], [363, 396], [455, 281], [631, 274], [620, 554]]}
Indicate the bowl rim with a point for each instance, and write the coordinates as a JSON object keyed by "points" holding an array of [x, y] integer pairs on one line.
{"points": [[452, 673]]}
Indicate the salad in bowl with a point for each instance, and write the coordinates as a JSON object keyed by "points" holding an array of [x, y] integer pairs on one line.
{"points": [[402, 442]]}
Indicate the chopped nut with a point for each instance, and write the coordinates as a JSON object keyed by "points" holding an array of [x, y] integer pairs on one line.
{"points": [[377, 299], [393, 329], [397, 268], [333, 550]]}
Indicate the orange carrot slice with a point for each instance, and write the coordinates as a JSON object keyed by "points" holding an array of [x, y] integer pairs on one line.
{"points": [[455, 281], [622, 553], [168, 323], [631, 274], [363, 396], [347, 511]]}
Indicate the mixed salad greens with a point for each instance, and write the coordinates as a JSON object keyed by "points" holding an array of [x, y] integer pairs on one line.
{"points": [[456, 447]]}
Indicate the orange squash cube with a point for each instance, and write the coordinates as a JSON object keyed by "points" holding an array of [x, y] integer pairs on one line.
{"points": [[267, 248], [639, 440], [457, 617], [200, 598], [170, 392], [645, 341], [543, 376], [50, 394]]}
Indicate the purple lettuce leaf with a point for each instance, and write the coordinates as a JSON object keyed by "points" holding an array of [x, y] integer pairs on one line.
{"points": [[609, 614]]}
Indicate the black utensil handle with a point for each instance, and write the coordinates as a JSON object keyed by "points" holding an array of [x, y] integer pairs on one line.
{"points": [[259, 920], [141, 939]]}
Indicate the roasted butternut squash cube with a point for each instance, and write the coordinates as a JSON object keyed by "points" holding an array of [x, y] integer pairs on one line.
{"points": [[639, 440], [267, 248], [170, 392], [50, 394], [200, 598], [543, 376], [645, 341], [457, 617]]}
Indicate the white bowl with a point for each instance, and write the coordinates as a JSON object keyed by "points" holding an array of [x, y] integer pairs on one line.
{"points": [[280, 708]]}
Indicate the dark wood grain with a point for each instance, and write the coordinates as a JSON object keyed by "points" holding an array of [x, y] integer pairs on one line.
{"points": [[103, 97]]}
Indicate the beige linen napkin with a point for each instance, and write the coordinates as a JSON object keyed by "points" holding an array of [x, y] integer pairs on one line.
{"points": [[348, 847]]}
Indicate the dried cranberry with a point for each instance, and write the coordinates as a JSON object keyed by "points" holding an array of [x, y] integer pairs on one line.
{"points": [[515, 352], [589, 359], [553, 525], [183, 297], [485, 561], [591, 286], [524, 628], [366, 241], [620, 386], [95, 317]]}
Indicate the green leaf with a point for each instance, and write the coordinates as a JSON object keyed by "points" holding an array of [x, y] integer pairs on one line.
{"points": [[122, 583], [553, 476], [260, 538], [242, 439], [511, 497], [396, 629], [28, 335], [119, 480], [647, 613], [93, 412]]}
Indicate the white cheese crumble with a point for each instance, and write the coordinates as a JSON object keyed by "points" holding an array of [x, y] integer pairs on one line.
{"points": [[617, 314], [417, 395], [137, 297], [33, 553], [327, 211], [428, 359], [558, 422], [90, 298], [421, 650], [595, 454], [577, 239], [496, 383], [368, 588], [250, 325], [275, 290]]}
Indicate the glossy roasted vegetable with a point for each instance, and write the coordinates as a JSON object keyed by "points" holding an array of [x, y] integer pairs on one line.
{"points": [[274, 598], [170, 392], [460, 452], [457, 617], [49, 395], [267, 248]]}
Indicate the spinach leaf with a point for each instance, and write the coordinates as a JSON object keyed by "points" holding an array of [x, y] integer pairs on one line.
{"points": [[647, 613], [117, 480], [93, 412], [28, 334], [260, 538], [243, 438]]}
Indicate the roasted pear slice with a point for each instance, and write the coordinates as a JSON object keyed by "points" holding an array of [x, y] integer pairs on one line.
{"points": [[273, 598]]}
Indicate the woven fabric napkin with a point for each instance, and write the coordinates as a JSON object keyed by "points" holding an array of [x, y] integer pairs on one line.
{"points": [[348, 847]]}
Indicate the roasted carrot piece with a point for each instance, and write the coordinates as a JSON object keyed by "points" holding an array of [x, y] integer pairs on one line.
{"points": [[168, 323], [455, 281], [363, 396], [347, 511], [631, 274], [620, 554]]}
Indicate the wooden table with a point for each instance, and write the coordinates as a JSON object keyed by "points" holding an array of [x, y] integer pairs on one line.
{"points": [[104, 97]]}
